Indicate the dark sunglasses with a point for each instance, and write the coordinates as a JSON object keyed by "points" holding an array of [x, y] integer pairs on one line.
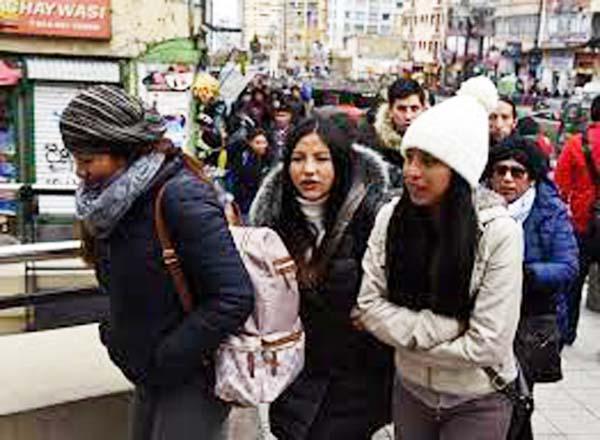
{"points": [[515, 172]]}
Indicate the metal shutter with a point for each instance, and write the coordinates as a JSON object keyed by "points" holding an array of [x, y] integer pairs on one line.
{"points": [[53, 164]]}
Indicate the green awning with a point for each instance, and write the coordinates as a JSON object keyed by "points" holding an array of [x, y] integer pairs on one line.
{"points": [[176, 51]]}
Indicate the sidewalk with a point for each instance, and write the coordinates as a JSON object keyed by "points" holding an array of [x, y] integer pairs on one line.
{"points": [[570, 409]]}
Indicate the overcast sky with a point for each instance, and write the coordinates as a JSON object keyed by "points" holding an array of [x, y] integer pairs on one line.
{"points": [[227, 10]]}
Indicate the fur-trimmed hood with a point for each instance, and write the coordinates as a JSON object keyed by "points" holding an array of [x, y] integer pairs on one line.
{"points": [[384, 127], [267, 204]]}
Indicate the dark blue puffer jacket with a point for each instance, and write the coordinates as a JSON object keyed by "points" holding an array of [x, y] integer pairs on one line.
{"points": [[551, 254], [148, 336]]}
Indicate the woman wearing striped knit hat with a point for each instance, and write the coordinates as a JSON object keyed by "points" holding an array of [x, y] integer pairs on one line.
{"points": [[123, 161]]}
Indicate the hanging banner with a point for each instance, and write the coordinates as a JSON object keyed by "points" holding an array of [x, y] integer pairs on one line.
{"points": [[166, 88], [60, 18]]}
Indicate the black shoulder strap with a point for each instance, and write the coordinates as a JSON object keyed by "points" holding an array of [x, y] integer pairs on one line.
{"points": [[344, 218], [587, 152]]}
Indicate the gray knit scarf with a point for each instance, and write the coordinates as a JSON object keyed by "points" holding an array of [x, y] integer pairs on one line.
{"points": [[101, 208]]}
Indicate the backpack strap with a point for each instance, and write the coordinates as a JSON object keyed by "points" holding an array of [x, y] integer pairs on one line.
{"points": [[356, 195], [589, 161], [170, 257]]}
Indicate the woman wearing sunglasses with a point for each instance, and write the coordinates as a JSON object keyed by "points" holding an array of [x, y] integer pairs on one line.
{"points": [[517, 171]]}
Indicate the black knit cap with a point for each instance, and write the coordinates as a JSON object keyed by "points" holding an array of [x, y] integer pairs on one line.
{"points": [[106, 119], [522, 150]]}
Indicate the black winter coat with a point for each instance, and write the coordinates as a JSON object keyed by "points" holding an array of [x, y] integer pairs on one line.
{"points": [[347, 371], [148, 336]]}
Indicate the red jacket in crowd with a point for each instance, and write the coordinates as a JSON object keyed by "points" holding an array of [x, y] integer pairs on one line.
{"points": [[573, 179]]}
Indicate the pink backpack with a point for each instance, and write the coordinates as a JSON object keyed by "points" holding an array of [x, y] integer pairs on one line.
{"points": [[256, 365]]}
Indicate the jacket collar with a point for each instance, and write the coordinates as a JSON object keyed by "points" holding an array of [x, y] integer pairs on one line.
{"points": [[489, 206], [384, 127]]}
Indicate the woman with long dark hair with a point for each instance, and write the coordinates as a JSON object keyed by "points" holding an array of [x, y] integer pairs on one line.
{"points": [[322, 200], [442, 278], [249, 162], [123, 162]]}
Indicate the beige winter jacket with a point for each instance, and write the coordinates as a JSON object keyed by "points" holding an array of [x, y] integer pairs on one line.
{"points": [[438, 352]]}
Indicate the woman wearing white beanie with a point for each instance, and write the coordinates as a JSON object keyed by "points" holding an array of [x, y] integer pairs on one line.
{"points": [[442, 278]]}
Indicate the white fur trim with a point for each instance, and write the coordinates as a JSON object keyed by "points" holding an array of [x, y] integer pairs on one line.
{"points": [[370, 154]]}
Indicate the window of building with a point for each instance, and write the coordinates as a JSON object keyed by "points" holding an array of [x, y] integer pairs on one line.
{"points": [[385, 17]]}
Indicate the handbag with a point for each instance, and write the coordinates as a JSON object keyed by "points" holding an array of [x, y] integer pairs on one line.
{"points": [[520, 396], [537, 346], [592, 235]]}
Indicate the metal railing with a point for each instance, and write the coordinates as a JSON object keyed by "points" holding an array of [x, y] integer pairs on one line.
{"points": [[20, 253], [26, 194], [37, 252]]}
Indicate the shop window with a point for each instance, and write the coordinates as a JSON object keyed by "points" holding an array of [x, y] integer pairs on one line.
{"points": [[8, 149]]}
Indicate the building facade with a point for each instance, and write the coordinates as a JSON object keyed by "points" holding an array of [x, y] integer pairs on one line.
{"points": [[305, 28], [54, 53], [264, 19], [347, 18], [549, 43], [424, 28], [566, 32]]}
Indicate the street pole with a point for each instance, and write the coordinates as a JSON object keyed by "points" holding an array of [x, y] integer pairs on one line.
{"points": [[306, 47], [467, 41]]}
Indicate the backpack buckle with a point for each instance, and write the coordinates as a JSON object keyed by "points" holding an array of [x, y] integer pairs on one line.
{"points": [[170, 257]]}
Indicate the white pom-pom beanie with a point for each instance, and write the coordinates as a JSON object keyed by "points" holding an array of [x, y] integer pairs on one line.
{"points": [[456, 131]]}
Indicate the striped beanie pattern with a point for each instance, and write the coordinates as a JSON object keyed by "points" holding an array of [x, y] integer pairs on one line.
{"points": [[106, 119]]}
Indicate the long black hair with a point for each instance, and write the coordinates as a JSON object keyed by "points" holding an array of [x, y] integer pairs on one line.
{"points": [[430, 266], [291, 223]]}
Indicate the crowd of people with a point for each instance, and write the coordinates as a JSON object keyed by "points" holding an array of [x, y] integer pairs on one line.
{"points": [[438, 261]]}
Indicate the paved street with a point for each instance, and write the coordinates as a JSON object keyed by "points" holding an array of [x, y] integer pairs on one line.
{"points": [[570, 409]]}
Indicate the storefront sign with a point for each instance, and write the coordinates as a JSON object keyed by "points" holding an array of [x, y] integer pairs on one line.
{"points": [[561, 62], [62, 18]]}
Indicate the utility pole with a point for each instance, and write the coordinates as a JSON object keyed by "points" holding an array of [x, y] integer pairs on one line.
{"points": [[306, 42], [535, 57]]}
